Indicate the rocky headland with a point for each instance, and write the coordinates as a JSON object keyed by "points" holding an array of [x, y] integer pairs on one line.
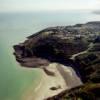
{"points": [[76, 46], [96, 12]]}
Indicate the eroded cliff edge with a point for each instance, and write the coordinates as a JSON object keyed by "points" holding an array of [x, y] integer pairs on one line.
{"points": [[77, 46]]}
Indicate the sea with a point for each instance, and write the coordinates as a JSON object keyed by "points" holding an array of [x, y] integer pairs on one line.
{"points": [[14, 28]]}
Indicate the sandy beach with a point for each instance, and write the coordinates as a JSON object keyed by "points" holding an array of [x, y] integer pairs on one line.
{"points": [[65, 78]]}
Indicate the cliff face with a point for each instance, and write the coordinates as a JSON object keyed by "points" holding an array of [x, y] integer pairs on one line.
{"points": [[54, 44], [77, 46]]}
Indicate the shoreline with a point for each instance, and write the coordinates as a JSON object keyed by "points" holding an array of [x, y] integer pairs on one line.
{"points": [[65, 77]]}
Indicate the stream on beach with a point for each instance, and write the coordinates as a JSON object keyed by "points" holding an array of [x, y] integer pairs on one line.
{"points": [[14, 28]]}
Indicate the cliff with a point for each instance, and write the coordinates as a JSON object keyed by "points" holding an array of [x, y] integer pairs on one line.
{"points": [[77, 46]]}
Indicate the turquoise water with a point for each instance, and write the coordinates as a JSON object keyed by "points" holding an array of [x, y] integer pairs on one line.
{"points": [[14, 27]]}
